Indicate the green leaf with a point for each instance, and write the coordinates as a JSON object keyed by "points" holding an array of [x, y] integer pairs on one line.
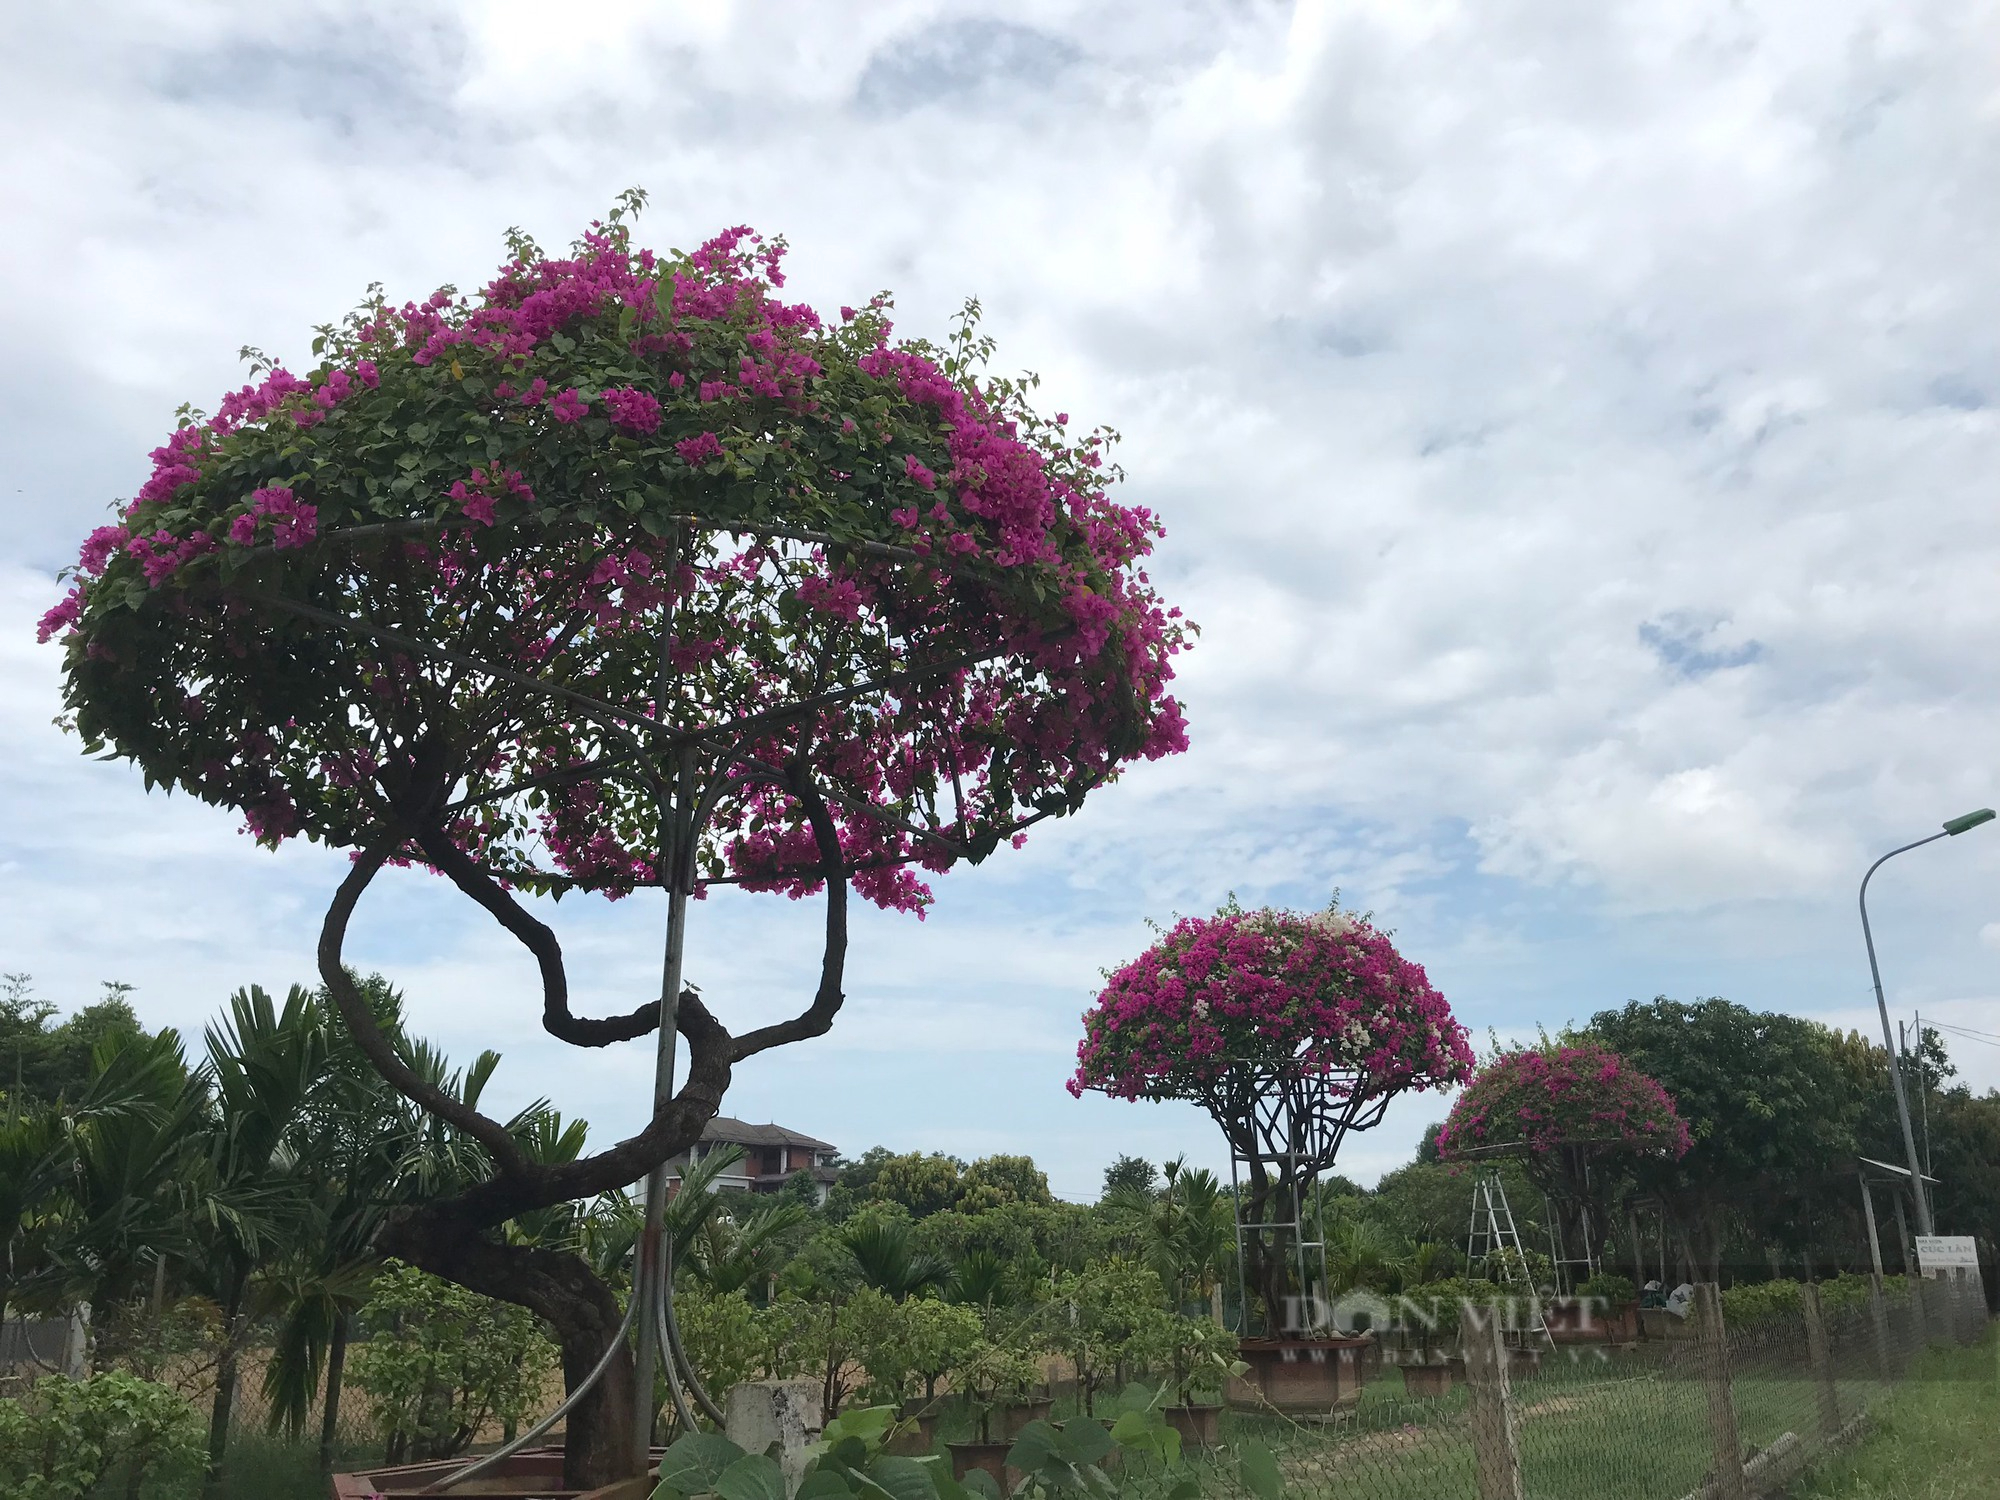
{"points": [[979, 1482], [902, 1478], [825, 1484], [1258, 1468], [693, 1464], [1084, 1440], [1130, 1427], [752, 1477], [1034, 1446]]}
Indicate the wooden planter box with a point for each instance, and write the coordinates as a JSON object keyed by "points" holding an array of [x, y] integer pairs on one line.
{"points": [[1300, 1376], [534, 1474]]}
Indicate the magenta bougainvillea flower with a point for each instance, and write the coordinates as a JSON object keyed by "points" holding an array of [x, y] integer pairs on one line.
{"points": [[848, 552], [1327, 991], [1562, 1098]]}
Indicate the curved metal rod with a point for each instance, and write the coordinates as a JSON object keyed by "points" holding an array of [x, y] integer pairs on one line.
{"points": [[670, 1367], [670, 1325], [507, 1450]]}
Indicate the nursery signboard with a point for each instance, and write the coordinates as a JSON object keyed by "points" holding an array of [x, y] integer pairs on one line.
{"points": [[1946, 1252]]}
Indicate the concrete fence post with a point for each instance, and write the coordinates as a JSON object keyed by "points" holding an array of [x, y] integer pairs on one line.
{"points": [[1714, 1347], [76, 1342], [1496, 1449], [781, 1417], [1822, 1363]]}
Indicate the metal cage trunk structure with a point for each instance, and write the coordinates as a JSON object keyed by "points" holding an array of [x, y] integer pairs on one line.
{"points": [[1286, 1123]]}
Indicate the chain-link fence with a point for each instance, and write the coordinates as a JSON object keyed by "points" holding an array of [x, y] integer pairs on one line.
{"points": [[1499, 1414], [1644, 1420]]}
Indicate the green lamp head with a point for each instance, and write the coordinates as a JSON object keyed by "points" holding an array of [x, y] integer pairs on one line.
{"points": [[1964, 821]]}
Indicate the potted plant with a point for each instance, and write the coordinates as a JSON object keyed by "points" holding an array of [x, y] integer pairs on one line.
{"points": [[1434, 1318], [907, 1347], [1611, 1303], [1576, 1115], [1197, 1355], [1000, 1378]]}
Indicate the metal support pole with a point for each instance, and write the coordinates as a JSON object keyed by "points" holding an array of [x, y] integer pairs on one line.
{"points": [[1951, 830], [650, 1282], [1874, 1238]]}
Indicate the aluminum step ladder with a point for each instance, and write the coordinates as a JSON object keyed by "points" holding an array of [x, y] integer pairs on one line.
{"points": [[1492, 1229]]}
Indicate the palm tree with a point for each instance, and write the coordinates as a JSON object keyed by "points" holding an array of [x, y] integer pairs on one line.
{"points": [[740, 1248], [351, 1138], [1185, 1233], [985, 1278], [887, 1260], [266, 1063], [1365, 1254]]}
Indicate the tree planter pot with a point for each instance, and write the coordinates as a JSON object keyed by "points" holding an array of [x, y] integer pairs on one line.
{"points": [[920, 1438], [1199, 1426], [1615, 1324], [537, 1473], [1011, 1419], [1658, 1323], [1621, 1322], [1432, 1377], [1299, 1376], [1523, 1363], [991, 1458]]}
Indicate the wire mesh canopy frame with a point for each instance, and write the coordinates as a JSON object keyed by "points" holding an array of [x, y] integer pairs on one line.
{"points": [[1285, 1121]]}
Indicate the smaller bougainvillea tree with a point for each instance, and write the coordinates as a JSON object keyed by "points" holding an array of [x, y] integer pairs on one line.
{"points": [[1569, 1112], [1291, 1030]]}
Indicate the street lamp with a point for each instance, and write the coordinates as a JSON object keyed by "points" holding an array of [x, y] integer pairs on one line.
{"points": [[1952, 829]]}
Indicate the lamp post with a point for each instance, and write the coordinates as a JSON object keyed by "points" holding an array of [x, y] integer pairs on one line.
{"points": [[1952, 829]]}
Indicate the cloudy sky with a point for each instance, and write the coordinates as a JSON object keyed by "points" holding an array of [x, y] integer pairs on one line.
{"points": [[1575, 424]]}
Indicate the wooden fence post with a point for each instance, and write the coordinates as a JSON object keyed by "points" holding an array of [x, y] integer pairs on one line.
{"points": [[1920, 1318], [1721, 1406], [1878, 1318], [1496, 1451], [1822, 1363]]}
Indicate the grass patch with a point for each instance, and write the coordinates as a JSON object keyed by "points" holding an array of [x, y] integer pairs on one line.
{"points": [[1932, 1439]]}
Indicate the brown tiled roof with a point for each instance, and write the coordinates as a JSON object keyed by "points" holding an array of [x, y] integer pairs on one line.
{"points": [[741, 1133]]}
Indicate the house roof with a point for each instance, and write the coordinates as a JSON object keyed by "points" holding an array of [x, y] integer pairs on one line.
{"points": [[741, 1133]]}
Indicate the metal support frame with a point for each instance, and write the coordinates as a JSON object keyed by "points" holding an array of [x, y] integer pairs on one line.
{"points": [[1298, 1117], [1560, 1260]]}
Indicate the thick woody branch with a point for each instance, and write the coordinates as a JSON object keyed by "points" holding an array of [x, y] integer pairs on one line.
{"points": [[675, 1126], [817, 1018], [539, 939], [375, 1046]]}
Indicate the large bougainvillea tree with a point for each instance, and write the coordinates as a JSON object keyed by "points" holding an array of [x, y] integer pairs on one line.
{"points": [[1571, 1112], [622, 573], [1291, 1030]]}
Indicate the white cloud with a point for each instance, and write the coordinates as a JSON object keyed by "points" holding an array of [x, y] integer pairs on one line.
{"points": [[1575, 432]]}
